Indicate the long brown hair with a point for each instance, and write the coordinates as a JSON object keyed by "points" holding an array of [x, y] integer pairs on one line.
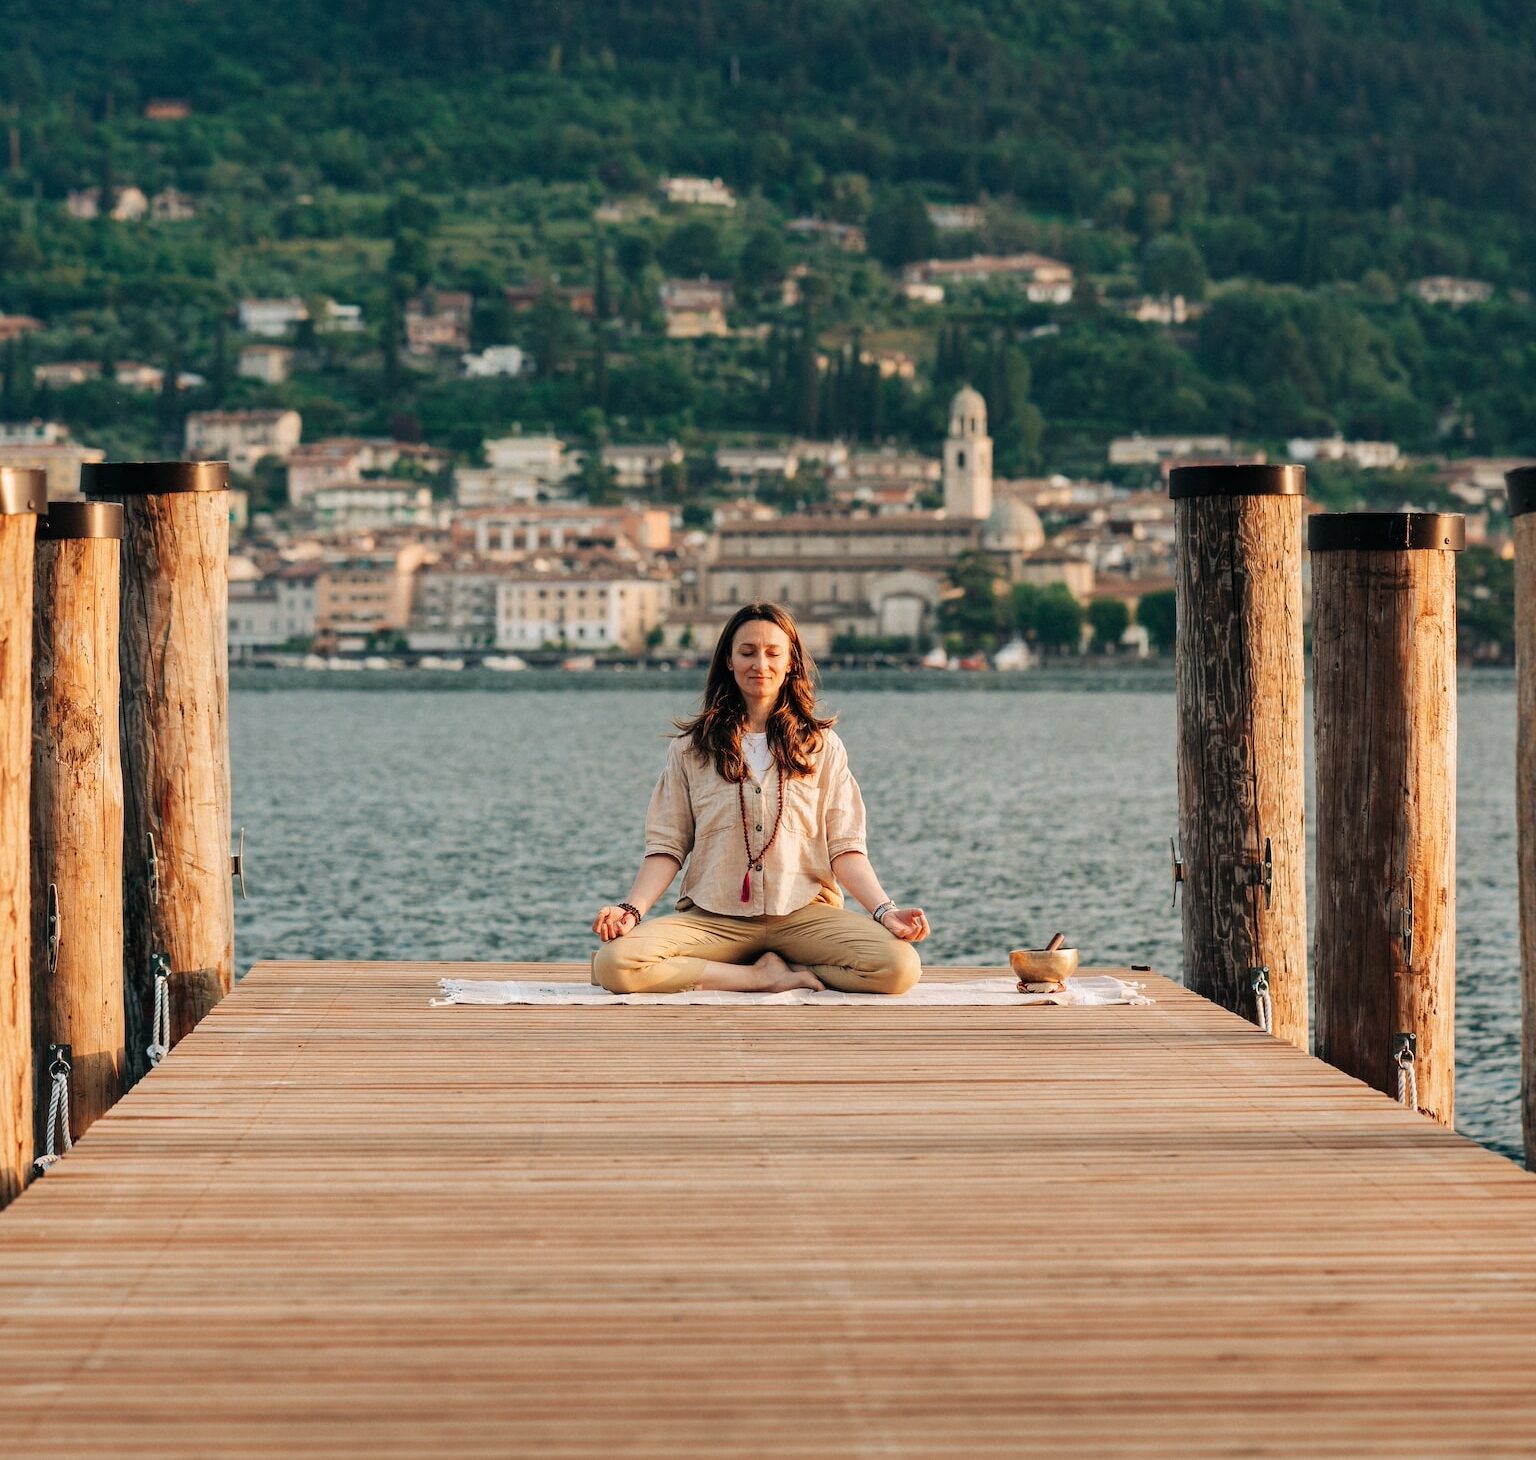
{"points": [[795, 730]]}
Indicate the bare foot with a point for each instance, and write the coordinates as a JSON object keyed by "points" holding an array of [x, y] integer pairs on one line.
{"points": [[779, 976]]}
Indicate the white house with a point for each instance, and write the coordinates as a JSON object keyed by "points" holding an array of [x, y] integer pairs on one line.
{"points": [[253, 614], [1372, 455], [45, 446], [744, 464], [271, 318], [242, 438], [369, 506], [1044, 280], [583, 612], [495, 360], [339, 459], [1141, 450], [639, 464], [1444, 289], [697, 192], [269, 364]]}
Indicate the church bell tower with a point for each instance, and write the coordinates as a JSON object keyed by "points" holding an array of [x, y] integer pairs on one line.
{"points": [[968, 458]]}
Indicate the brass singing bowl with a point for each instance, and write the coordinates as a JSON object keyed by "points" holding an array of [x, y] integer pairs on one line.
{"points": [[1041, 965]]}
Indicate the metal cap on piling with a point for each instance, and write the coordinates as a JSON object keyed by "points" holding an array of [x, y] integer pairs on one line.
{"points": [[1386, 532], [150, 478], [1521, 485], [23, 489], [75, 520], [1236, 479]]}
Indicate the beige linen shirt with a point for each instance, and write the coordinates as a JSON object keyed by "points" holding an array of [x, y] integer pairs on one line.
{"points": [[695, 817]]}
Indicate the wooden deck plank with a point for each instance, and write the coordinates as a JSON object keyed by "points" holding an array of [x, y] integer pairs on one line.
{"points": [[337, 1222]]}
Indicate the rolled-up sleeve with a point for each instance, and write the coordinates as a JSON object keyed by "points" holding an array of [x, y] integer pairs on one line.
{"points": [[669, 821], [845, 806]]}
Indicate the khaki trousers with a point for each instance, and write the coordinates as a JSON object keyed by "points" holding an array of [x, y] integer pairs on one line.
{"points": [[846, 950]]}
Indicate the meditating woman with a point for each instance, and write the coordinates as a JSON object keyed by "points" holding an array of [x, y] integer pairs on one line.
{"points": [[757, 803]]}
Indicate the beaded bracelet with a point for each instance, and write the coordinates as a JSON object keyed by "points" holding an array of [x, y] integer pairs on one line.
{"points": [[630, 908], [881, 911]]}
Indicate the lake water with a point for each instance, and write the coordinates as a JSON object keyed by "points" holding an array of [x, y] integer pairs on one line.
{"points": [[488, 816]]}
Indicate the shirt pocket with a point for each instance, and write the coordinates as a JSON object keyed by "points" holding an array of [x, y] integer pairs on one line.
{"points": [[802, 807], [717, 808]]}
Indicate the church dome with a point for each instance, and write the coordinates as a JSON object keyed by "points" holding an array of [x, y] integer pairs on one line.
{"points": [[1014, 526], [968, 413]]}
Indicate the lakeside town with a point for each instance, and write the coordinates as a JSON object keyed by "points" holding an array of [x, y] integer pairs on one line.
{"points": [[526, 544]]}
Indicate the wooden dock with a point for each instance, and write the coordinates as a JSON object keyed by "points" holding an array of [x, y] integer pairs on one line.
{"points": [[339, 1222]]}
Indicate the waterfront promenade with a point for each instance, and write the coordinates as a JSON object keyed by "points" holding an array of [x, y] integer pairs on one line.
{"points": [[337, 1221]]}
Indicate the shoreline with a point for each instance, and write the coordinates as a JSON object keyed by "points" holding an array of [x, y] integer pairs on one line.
{"points": [[1088, 677]]}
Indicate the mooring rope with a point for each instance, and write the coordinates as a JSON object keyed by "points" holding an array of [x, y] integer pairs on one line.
{"points": [[160, 1033], [1263, 1005], [57, 1130], [1407, 1079]]}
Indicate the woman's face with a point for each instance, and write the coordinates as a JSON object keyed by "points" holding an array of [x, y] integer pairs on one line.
{"points": [[760, 659]]}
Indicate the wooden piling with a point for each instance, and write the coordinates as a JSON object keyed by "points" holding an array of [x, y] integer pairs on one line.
{"points": [[178, 909], [1241, 682], [77, 807], [1384, 659], [23, 495], [1522, 510]]}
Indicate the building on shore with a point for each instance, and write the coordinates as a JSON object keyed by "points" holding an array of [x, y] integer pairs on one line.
{"points": [[454, 604], [697, 192], [438, 320], [270, 364], [272, 319], [694, 308], [640, 464], [515, 531], [242, 438], [1369, 455], [1043, 280], [601, 610], [339, 459], [370, 505], [1141, 450], [519, 469], [45, 446], [885, 576]]}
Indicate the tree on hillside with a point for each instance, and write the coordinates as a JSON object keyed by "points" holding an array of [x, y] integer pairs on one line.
{"points": [[900, 230], [1172, 265], [764, 259], [551, 331], [692, 249]]}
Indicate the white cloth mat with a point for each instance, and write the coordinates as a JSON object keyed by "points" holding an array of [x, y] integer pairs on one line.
{"points": [[1086, 988]]}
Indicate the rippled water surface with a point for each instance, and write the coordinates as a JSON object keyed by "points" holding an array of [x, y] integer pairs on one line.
{"points": [[395, 818]]}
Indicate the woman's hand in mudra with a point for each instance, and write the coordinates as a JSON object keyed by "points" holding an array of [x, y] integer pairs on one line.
{"points": [[910, 924], [612, 922]]}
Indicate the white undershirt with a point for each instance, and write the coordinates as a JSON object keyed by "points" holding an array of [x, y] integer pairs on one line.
{"points": [[755, 751]]}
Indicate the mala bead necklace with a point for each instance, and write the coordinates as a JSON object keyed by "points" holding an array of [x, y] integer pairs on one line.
{"points": [[755, 864]]}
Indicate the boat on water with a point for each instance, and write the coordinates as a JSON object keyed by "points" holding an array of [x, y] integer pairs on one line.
{"points": [[313, 661], [433, 661], [1014, 656], [937, 658], [975, 661], [338, 663], [580, 662], [504, 663], [378, 661]]}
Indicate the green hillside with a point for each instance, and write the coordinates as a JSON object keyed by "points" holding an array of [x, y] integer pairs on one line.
{"points": [[1296, 164]]}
